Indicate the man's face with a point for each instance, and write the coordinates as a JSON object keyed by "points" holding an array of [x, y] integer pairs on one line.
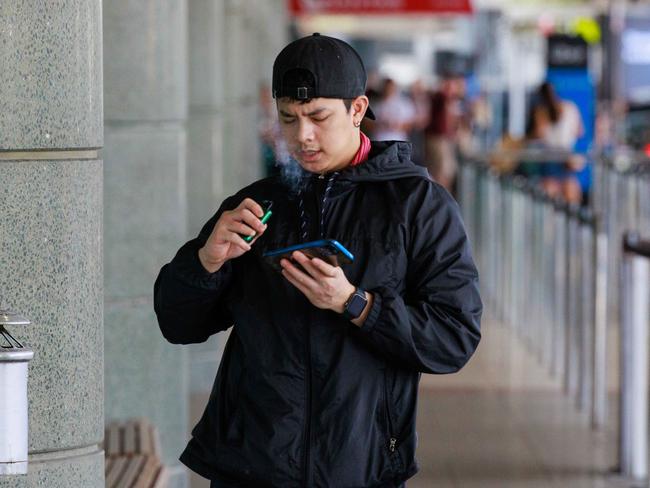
{"points": [[320, 134]]}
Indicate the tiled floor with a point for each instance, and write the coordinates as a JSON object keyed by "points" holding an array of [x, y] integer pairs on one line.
{"points": [[502, 422]]}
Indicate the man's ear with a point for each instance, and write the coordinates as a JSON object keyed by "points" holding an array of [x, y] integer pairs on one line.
{"points": [[359, 107]]}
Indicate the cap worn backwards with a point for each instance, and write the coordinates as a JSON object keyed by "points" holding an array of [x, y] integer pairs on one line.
{"points": [[319, 66]]}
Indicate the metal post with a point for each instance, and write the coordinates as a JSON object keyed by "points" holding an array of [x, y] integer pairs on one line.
{"points": [[537, 271], [491, 237], [518, 244], [467, 198], [599, 403], [560, 291], [631, 216], [506, 254], [599, 189], [463, 191], [613, 236], [526, 282], [483, 222], [499, 231], [573, 305], [635, 306], [501, 250], [548, 268], [586, 345], [644, 204], [511, 306]]}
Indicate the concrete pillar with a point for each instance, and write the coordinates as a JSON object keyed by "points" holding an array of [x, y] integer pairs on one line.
{"points": [[205, 122], [51, 125], [205, 169], [232, 44], [145, 212]]}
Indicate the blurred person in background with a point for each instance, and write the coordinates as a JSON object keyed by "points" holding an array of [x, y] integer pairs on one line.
{"points": [[395, 114], [560, 126], [481, 120], [421, 100], [444, 124], [533, 144], [513, 155]]}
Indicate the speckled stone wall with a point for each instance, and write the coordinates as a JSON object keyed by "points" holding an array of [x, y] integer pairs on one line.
{"points": [[51, 125], [51, 74], [82, 469], [145, 212], [50, 249]]}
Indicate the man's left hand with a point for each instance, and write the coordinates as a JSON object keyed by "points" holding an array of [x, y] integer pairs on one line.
{"points": [[324, 285]]}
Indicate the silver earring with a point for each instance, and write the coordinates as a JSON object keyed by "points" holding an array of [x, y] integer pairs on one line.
{"points": [[357, 124]]}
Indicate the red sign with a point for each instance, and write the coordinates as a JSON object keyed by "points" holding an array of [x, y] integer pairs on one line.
{"points": [[300, 7]]}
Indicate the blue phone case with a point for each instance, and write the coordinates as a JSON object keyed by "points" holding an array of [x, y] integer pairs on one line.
{"points": [[329, 250]]}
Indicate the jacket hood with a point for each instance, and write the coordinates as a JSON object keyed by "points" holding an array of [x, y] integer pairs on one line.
{"points": [[388, 160]]}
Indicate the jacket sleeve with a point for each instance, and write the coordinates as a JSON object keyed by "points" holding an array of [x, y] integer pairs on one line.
{"points": [[190, 302], [435, 326]]}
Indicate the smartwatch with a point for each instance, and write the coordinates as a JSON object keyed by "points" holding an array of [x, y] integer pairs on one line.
{"points": [[355, 305]]}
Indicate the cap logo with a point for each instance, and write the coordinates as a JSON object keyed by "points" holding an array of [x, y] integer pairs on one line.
{"points": [[302, 93]]}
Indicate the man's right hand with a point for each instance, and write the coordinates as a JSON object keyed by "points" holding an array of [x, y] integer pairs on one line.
{"points": [[225, 241]]}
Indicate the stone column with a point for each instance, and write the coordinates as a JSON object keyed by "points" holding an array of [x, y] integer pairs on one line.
{"points": [[232, 44], [51, 126], [241, 82], [145, 216], [205, 169], [206, 104]]}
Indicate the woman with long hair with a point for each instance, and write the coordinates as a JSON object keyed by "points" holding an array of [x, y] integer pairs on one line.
{"points": [[560, 126]]}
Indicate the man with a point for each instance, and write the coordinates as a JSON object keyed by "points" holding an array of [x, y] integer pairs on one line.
{"points": [[317, 386]]}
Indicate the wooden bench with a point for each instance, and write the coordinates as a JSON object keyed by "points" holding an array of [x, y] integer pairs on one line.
{"points": [[132, 452]]}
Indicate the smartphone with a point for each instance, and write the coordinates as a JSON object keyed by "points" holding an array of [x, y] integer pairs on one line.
{"points": [[329, 250], [266, 206]]}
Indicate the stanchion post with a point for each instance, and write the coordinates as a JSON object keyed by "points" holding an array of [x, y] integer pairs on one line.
{"points": [[634, 361], [560, 290], [548, 267], [573, 306], [518, 243], [587, 305], [599, 403], [613, 236], [644, 204]]}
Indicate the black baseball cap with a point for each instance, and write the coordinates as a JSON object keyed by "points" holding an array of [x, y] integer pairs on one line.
{"points": [[319, 66]]}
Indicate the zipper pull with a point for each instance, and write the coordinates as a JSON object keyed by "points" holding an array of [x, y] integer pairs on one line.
{"points": [[393, 442]]}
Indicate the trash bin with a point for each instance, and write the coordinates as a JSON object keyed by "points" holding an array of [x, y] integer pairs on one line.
{"points": [[14, 361]]}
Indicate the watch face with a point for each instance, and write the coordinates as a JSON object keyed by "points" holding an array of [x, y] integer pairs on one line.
{"points": [[356, 305]]}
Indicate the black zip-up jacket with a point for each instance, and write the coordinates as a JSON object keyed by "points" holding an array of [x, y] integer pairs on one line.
{"points": [[303, 397]]}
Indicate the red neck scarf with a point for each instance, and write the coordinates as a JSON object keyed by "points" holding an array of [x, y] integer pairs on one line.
{"points": [[362, 153]]}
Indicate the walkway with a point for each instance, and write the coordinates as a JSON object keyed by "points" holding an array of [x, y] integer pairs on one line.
{"points": [[502, 422]]}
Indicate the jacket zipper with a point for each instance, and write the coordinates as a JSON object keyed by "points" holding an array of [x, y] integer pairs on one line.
{"points": [[392, 441], [308, 388]]}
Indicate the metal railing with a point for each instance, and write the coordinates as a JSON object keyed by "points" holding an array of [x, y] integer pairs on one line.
{"points": [[622, 196], [544, 273]]}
